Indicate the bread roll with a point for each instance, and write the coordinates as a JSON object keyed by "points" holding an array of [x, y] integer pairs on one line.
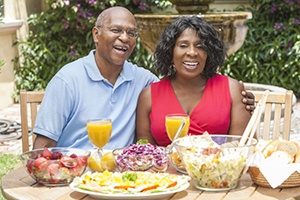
{"points": [[281, 157], [297, 157], [270, 148], [288, 146], [261, 145]]}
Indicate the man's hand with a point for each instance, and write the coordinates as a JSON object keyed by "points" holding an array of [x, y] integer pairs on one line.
{"points": [[248, 99]]}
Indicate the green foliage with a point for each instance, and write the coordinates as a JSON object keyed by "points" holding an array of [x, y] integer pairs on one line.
{"points": [[8, 162], [1, 64], [271, 51], [63, 34], [1, 9]]}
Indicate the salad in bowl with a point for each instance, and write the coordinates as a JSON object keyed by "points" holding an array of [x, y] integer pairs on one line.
{"points": [[214, 162]]}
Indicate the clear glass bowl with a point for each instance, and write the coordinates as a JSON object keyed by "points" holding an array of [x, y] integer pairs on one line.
{"points": [[214, 162], [176, 161], [130, 160], [55, 170]]}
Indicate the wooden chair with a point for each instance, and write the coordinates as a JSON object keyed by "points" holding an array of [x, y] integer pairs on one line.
{"points": [[276, 118], [34, 99]]}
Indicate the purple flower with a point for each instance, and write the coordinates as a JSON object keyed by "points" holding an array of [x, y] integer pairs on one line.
{"points": [[290, 2], [278, 26], [296, 21], [289, 46], [143, 6], [73, 52], [66, 23], [92, 2], [273, 8]]}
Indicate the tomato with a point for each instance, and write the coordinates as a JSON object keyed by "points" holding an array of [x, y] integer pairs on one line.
{"points": [[47, 153], [76, 171], [40, 163], [73, 155], [30, 166], [82, 160], [53, 169], [68, 162]]}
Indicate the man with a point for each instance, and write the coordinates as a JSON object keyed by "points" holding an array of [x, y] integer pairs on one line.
{"points": [[102, 84]]}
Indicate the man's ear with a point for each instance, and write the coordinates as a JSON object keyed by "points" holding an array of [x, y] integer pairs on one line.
{"points": [[95, 32]]}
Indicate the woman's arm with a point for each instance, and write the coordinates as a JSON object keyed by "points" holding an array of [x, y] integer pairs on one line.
{"points": [[239, 115], [143, 130]]}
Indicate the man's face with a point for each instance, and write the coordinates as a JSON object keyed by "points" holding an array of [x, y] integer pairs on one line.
{"points": [[115, 38]]}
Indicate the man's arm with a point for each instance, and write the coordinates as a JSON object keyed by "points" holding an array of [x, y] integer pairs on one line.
{"points": [[248, 99], [42, 141]]}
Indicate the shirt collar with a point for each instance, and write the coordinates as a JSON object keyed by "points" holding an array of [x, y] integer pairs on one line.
{"points": [[127, 73]]}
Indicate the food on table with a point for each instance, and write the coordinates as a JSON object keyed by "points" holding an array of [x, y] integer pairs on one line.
{"points": [[141, 157], [283, 155], [211, 165], [177, 162], [106, 162], [55, 166], [130, 182], [280, 150]]}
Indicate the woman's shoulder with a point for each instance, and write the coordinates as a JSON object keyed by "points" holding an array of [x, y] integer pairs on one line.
{"points": [[161, 83]]}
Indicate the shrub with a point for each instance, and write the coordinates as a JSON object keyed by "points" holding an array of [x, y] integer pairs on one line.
{"points": [[271, 51], [62, 34]]}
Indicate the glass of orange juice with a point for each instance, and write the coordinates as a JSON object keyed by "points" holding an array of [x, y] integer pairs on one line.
{"points": [[99, 132], [173, 122]]}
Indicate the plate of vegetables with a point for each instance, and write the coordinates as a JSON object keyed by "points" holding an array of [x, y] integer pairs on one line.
{"points": [[130, 184]]}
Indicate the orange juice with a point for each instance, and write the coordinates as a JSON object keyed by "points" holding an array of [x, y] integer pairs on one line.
{"points": [[173, 122], [99, 132]]}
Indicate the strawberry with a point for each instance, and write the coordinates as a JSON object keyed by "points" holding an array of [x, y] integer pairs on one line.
{"points": [[47, 153], [53, 169], [40, 163], [68, 162]]}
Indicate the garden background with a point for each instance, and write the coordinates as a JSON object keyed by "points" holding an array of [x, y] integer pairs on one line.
{"points": [[62, 33]]}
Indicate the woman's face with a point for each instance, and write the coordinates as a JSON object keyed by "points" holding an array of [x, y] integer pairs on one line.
{"points": [[188, 57]]}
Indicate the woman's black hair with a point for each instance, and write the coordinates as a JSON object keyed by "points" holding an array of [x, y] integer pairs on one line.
{"points": [[210, 41]]}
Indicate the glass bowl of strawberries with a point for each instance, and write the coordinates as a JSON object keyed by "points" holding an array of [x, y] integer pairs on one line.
{"points": [[55, 166]]}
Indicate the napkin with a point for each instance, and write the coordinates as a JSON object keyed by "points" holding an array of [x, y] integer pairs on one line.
{"points": [[275, 171]]}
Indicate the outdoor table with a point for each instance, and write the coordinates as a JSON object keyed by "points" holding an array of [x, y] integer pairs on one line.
{"points": [[19, 185]]}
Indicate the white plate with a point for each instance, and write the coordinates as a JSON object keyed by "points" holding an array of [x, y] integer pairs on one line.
{"points": [[143, 196]]}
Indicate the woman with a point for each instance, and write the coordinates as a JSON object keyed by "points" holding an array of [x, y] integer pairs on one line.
{"points": [[187, 57]]}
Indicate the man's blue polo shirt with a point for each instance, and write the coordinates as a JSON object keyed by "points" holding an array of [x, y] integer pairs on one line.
{"points": [[79, 92]]}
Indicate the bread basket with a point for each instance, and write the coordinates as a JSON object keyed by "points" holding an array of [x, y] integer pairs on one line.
{"points": [[259, 179]]}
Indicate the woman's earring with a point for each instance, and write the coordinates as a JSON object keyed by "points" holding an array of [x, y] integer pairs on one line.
{"points": [[173, 69]]}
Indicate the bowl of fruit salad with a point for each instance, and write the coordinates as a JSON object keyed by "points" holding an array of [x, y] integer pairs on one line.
{"points": [[55, 166], [141, 156], [214, 162]]}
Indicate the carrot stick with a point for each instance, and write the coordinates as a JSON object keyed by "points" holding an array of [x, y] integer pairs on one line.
{"points": [[150, 188], [172, 184], [125, 187]]}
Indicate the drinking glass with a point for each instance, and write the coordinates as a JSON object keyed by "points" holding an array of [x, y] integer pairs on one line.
{"points": [[99, 132], [173, 122]]}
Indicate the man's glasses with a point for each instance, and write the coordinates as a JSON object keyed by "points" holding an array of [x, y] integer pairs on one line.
{"points": [[132, 33]]}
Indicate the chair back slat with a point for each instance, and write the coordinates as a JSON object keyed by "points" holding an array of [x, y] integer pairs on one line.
{"points": [[34, 99], [276, 119]]}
